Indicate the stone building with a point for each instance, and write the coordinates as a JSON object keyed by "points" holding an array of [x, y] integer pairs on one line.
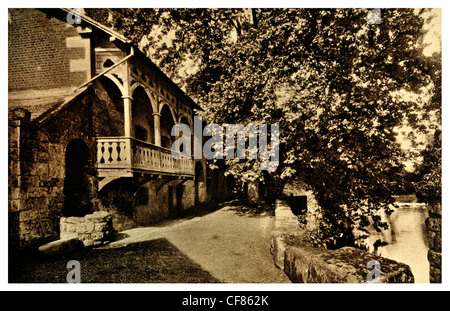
{"points": [[90, 119]]}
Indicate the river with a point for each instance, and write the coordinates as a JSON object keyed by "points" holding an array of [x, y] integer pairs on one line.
{"points": [[406, 239]]}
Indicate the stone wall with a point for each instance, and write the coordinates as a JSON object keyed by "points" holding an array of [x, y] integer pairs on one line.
{"points": [[434, 226], [37, 171], [37, 179], [38, 176], [93, 229], [303, 263]]}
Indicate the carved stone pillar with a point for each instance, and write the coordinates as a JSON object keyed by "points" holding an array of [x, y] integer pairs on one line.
{"points": [[157, 125], [127, 115]]}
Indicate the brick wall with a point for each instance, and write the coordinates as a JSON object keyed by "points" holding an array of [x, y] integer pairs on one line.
{"points": [[43, 52]]}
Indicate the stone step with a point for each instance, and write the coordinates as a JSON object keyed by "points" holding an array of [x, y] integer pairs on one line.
{"points": [[61, 247]]}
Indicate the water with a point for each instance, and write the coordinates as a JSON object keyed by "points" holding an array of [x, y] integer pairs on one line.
{"points": [[407, 238]]}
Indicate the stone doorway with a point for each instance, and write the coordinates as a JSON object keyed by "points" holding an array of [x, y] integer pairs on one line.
{"points": [[76, 183]]}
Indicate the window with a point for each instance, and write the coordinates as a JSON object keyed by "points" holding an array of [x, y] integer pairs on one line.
{"points": [[108, 63]]}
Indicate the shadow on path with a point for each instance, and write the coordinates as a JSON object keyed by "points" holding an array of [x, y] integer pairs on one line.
{"points": [[155, 261], [241, 208]]}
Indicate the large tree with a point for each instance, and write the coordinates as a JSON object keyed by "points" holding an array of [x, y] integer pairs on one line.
{"points": [[333, 80]]}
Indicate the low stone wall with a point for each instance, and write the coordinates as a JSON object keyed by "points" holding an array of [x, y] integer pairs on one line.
{"points": [[93, 229], [303, 263]]}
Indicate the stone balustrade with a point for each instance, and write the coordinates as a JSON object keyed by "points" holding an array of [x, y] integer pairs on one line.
{"points": [[116, 154]]}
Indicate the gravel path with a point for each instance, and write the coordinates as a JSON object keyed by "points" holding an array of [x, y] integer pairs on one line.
{"points": [[233, 243]]}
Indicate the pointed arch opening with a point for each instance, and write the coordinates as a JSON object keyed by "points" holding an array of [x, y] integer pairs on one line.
{"points": [[110, 111], [166, 123], [142, 116]]}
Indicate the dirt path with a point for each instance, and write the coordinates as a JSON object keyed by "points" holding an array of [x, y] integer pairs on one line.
{"points": [[233, 243]]}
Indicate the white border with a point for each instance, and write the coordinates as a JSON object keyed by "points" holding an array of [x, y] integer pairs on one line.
{"points": [[227, 287]]}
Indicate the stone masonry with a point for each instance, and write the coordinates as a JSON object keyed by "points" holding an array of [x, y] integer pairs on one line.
{"points": [[77, 145], [434, 226], [303, 263], [93, 229]]}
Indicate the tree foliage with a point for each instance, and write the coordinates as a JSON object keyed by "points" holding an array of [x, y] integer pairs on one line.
{"points": [[331, 80]]}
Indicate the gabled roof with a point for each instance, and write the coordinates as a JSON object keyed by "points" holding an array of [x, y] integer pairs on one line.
{"points": [[43, 104], [97, 25], [127, 41]]}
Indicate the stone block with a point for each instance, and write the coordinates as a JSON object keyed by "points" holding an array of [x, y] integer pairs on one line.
{"points": [[41, 156], [99, 216], [302, 266], [91, 243], [55, 170], [30, 215], [67, 227], [278, 249], [286, 226], [89, 227], [20, 114], [55, 191], [14, 205], [36, 203], [85, 236], [61, 247], [435, 209], [74, 220], [435, 258], [68, 235], [97, 236], [30, 181], [433, 224], [435, 240], [36, 192], [81, 228], [15, 193], [40, 169], [101, 226], [435, 275]]}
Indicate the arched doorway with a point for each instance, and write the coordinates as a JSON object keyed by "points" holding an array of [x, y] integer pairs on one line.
{"points": [[76, 183]]}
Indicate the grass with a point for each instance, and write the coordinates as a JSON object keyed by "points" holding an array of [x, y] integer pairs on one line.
{"points": [[156, 261]]}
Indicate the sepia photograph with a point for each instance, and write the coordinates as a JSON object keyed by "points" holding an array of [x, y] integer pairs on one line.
{"points": [[202, 145]]}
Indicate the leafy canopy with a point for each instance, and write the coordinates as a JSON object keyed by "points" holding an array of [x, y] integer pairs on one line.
{"points": [[331, 80]]}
